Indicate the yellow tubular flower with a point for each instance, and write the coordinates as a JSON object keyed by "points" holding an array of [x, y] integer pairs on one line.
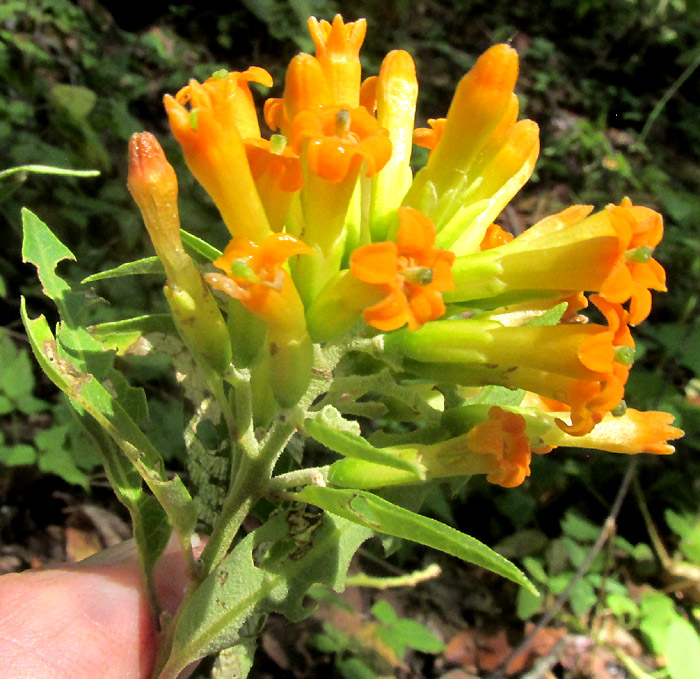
{"points": [[631, 433], [337, 50], [483, 98], [212, 142], [583, 365], [608, 252], [396, 95]]}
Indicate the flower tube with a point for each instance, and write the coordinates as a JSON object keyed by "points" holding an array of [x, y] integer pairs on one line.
{"points": [[570, 251], [338, 52], [583, 365], [254, 275], [396, 95], [497, 446], [153, 185], [211, 133], [478, 125]]}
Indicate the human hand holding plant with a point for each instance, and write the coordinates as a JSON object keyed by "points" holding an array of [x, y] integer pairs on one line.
{"points": [[382, 315]]}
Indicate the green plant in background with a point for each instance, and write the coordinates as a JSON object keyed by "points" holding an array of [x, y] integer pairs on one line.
{"points": [[378, 646], [596, 585], [53, 449], [349, 292]]}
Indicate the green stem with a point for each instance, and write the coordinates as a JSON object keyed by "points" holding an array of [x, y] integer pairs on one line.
{"points": [[245, 491], [280, 432], [667, 97], [249, 483], [49, 169], [380, 582], [316, 476], [243, 404]]}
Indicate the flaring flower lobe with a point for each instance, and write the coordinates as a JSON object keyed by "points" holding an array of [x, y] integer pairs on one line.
{"points": [[413, 271]]}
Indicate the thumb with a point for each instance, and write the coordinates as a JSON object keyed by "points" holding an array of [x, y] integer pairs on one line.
{"points": [[86, 620]]}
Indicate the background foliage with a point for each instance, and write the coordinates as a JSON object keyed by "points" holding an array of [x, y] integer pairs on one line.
{"points": [[615, 87]]}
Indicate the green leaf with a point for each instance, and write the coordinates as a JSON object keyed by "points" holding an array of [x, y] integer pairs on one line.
{"points": [[147, 265], [535, 569], [75, 99], [582, 597], [45, 251], [527, 604], [407, 632], [579, 528], [550, 317], [354, 668], [198, 246], [121, 335], [16, 377], [682, 650], [323, 643], [384, 612], [657, 612], [688, 527], [60, 463], [622, 607], [86, 391], [239, 587], [353, 446], [677, 523], [376, 513], [19, 455]]}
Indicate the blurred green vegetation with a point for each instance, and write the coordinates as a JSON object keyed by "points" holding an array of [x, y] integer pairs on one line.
{"points": [[613, 84]]}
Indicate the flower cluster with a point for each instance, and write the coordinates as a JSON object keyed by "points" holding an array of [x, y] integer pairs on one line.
{"points": [[335, 239]]}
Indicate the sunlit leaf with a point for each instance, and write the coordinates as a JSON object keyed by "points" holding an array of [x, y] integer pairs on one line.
{"points": [[374, 512], [241, 587]]}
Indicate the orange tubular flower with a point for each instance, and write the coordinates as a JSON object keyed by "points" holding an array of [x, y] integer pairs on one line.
{"points": [[153, 185], [412, 271], [503, 436], [636, 273], [254, 275], [277, 172], [221, 113], [494, 237], [428, 137], [279, 162], [337, 141], [337, 50], [611, 354], [631, 433], [305, 88], [479, 123]]}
